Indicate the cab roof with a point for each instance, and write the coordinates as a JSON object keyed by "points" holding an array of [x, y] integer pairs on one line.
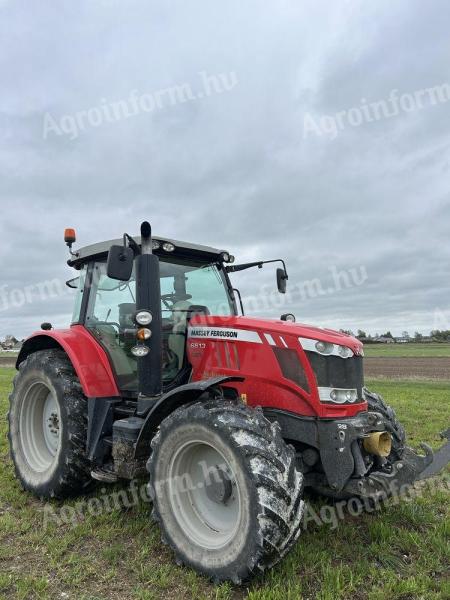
{"points": [[185, 249]]}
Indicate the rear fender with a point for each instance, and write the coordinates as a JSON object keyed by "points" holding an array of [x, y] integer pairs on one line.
{"points": [[88, 358], [170, 402]]}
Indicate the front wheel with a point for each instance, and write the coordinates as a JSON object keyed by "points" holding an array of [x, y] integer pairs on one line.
{"points": [[376, 403], [225, 489], [47, 426]]}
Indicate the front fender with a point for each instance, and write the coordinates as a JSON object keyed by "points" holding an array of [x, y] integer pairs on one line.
{"points": [[88, 358], [170, 402]]}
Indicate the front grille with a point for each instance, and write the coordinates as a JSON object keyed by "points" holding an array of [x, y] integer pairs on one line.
{"points": [[291, 366], [336, 372]]}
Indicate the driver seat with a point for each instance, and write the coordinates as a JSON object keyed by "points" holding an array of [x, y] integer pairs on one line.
{"points": [[177, 339]]}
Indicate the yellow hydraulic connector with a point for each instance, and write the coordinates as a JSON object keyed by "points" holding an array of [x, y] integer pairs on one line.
{"points": [[378, 443]]}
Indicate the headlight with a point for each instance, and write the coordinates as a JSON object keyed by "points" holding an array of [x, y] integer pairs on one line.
{"points": [[155, 244], [288, 317], [344, 352], [140, 351], [324, 347], [143, 317], [338, 396], [168, 247]]}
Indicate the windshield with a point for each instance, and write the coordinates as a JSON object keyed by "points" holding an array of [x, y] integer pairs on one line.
{"points": [[184, 284]]}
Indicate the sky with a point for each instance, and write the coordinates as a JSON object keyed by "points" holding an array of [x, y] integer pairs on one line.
{"points": [[313, 131]]}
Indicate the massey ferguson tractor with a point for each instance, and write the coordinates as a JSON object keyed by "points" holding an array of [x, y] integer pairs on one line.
{"points": [[230, 417]]}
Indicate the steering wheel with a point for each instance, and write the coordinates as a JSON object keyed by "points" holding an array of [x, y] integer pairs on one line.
{"points": [[165, 300], [113, 323]]}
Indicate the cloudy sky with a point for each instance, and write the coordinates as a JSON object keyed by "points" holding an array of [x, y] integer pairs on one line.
{"points": [[272, 149]]}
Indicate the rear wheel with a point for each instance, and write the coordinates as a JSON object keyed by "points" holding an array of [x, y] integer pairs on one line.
{"points": [[225, 489], [48, 425]]}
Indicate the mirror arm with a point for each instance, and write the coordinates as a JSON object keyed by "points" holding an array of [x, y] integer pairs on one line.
{"points": [[259, 264], [131, 243]]}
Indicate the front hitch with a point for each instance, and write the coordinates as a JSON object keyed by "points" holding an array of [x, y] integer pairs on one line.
{"points": [[403, 472], [441, 458]]}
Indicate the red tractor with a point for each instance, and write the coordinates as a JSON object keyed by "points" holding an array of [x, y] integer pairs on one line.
{"points": [[231, 416]]}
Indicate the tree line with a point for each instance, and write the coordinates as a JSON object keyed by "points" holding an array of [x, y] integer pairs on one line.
{"points": [[436, 335]]}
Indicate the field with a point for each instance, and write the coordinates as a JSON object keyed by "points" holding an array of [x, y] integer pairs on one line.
{"points": [[400, 552], [411, 361], [407, 350], [410, 368]]}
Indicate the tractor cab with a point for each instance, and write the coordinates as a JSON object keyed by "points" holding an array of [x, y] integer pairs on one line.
{"points": [[193, 281]]}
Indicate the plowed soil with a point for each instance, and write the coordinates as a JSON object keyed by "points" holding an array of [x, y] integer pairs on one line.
{"points": [[401, 368]]}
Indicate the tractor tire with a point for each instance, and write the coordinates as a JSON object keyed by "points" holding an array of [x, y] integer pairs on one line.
{"points": [[225, 489], [393, 425], [48, 426]]}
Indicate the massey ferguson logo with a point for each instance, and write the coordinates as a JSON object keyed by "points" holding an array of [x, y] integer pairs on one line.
{"points": [[220, 333], [225, 333]]}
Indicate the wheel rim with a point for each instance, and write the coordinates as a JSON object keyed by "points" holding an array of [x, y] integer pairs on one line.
{"points": [[204, 495], [40, 429]]}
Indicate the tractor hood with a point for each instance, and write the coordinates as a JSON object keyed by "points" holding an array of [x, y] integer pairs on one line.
{"points": [[262, 327]]}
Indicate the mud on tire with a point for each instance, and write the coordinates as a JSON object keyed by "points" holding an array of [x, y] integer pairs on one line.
{"points": [[261, 478], [377, 404], [66, 473]]}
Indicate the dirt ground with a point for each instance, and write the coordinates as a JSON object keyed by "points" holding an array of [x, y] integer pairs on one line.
{"points": [[400, 368], [8, 361]]}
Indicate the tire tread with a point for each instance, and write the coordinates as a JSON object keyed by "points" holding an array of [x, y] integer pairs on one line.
{"points": [[73, 476], [279, 486]]}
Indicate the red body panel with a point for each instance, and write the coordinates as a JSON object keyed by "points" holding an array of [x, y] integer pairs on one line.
{"points": [[251, 356], [87, 356]]}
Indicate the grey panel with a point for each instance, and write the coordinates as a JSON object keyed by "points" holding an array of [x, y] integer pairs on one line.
{"points": [[100, 248]]}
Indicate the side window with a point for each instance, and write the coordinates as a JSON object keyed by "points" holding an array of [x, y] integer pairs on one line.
{"points": [[78, 285], [110, 311], [111, 301], [207, 289], [167, 289]]}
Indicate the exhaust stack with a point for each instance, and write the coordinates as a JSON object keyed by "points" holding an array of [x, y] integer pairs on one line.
{"points": [[148, 298]]}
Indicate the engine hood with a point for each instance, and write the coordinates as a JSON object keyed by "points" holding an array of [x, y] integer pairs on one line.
{"points": [[279, 327]]}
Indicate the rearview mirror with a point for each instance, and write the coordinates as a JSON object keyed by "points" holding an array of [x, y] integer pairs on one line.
{"points": [[281, 280], [120, 263]]}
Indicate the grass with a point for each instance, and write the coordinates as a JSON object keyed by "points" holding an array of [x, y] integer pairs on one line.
{"points": [[423, 406], [407, 350], [400, 553]]}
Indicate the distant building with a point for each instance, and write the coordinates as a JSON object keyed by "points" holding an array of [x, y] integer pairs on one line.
{"points": [[11, 344], [402, 340], [385, 340]]}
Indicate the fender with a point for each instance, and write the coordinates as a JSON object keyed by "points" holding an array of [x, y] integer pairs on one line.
{"points": [[88, 358], [170, 402]]}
